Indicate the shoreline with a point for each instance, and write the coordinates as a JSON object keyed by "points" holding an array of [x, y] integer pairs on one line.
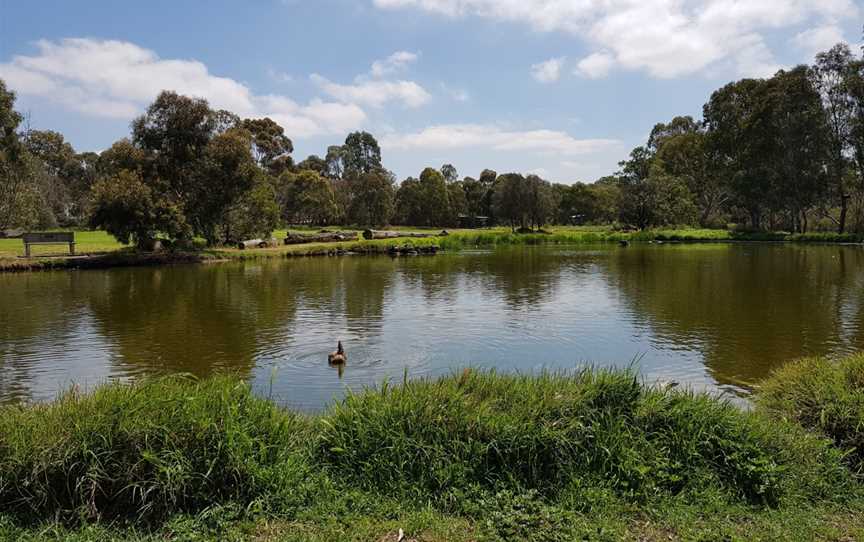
{"points": [[476, 455], [453, 242]]}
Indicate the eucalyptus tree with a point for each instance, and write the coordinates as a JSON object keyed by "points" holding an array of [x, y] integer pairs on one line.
{"points": [[509, 199], [436, 199], [410, 202], [306, 197], [738, 143], [22, 175], [832, 79], [372, 198], [449, 172], [685, 154], [313, 162], [802, 157], [361, 154], [269, 142], [184, 169]]}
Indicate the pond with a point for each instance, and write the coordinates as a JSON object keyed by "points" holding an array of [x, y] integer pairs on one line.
{"points": [[711, 316]]}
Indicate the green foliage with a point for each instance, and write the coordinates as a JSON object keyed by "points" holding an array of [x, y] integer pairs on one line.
{"points": [[372, 198], [306, 197], [823, 395], [125, 207], [650, 197], [475, 456], [594, 429], [148, 450], [508, 199], [269, 142], [361, 154], [254, 216], [226, 172], [595, 203]]}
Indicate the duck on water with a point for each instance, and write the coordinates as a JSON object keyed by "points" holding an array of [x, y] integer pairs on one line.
{"points": [[338, 357]]}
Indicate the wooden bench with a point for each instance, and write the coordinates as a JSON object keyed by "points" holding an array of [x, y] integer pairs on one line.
{"points": [[49, 238]]}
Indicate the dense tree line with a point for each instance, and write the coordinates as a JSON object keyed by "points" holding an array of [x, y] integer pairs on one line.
{"points": [[785, 152]]}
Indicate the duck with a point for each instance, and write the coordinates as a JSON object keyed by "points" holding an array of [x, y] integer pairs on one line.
{"points": [[338, 357]]}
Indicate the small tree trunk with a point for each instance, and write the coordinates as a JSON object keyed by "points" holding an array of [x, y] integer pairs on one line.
{"points": [[844, 209]]}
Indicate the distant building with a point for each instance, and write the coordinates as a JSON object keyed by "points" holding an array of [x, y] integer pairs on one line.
{"points": [[468, 221]]}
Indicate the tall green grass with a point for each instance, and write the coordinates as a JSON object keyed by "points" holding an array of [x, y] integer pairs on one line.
{"points": [[584, 433], [555, 443], [147, 450], [823, 395]]}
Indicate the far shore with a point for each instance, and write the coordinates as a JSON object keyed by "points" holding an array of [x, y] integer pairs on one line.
{"points": [[97, 250]]}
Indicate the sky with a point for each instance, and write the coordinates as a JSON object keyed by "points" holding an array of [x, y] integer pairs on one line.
{"points": [[560, 88]]}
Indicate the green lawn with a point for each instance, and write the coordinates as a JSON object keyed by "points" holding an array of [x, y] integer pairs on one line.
{"points": [[86, 242]]}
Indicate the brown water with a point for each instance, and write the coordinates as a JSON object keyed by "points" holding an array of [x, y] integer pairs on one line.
{"points": [[711, 316]]}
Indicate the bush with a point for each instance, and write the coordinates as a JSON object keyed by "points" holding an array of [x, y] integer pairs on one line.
{"points": [[822, 395]]}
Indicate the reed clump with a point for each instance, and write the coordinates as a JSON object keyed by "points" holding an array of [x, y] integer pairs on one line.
{"points": [[146, 450], [551, 455], [825, 396]]}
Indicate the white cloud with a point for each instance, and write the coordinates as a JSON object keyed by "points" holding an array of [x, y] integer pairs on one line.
{"points": [[279, 77], [393, 63], [492, 137], [456, 94], [595, 65], [547, 71], [118, 79], [666, 38], [816, 40], [370, 89], [374, 92]]}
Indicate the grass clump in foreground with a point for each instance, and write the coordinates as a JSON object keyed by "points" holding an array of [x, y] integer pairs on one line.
{"points": [[825, 396], [474, 456]]}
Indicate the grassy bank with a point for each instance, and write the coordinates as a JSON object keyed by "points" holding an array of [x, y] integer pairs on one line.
{"points": [[126, 257], [825, 396], [592, 455], [99, 250]]}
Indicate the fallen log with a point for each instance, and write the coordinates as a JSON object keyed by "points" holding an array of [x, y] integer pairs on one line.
{"points": [[257, 243], [388, 234], [321, 237]]}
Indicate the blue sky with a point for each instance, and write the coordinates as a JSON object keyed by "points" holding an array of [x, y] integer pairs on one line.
{"points": [[563, 88]]}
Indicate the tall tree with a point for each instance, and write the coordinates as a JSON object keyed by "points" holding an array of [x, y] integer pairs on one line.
{"points": [[225, 174], [410, 203], [306, 197], [738, 143], [361, 154], [830, 76], [509, 200], [372, 197], [449, 172], [313, 162], [335, 162], [269, 142], [436, 199], [541, 201], [685, 154], [802, 161], [22, 176]]}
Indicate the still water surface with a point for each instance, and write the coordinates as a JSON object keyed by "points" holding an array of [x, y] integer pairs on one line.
{"points": [[715, 316]]}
